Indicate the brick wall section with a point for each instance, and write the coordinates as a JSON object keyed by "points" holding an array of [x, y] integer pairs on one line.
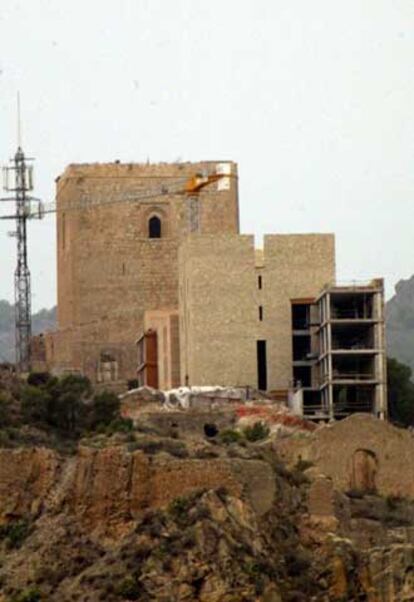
{"points": [[333, 450], [109, 271], [217, 310]]}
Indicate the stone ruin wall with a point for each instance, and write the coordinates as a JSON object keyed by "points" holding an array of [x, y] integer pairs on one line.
{"points": [[358, 453]]}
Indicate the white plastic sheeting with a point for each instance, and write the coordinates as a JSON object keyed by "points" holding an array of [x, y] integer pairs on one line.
{"points": [[182, 398]]}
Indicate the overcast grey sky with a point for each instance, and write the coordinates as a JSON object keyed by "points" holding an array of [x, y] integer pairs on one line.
{"points": [[313, 99]]}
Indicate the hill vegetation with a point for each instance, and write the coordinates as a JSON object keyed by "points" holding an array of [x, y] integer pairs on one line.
{"points": [[400, 323], [55, 412]]}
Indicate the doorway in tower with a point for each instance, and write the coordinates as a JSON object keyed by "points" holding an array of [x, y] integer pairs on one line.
{"points": [[261, 366]]}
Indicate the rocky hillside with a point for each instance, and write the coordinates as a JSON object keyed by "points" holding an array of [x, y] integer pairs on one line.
{"points": [[161, 511], [400, 323], [108, 525], [43, 320]]}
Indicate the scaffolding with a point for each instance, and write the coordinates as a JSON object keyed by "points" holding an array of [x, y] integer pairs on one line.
{"points": [[351, 340]]}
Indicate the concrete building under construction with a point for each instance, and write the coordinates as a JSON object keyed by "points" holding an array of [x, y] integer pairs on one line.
{"points": [[156, 283]]}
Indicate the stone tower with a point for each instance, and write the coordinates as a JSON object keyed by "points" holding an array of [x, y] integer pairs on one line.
{"points": [[119, 227]]}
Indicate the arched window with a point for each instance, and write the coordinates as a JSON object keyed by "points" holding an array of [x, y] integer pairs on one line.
{"points": [[154, 227]]}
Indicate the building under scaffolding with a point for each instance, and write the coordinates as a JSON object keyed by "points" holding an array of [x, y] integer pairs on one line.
{"points": [[344, 370]]}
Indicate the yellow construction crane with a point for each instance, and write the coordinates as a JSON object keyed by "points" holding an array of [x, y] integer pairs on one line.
{"points": [[190, 187]]}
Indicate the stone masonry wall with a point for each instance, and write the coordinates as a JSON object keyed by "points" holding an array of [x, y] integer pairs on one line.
{"points": [[220, 299], [109, 271], [217, 310], [357, 452], [296, 266]]}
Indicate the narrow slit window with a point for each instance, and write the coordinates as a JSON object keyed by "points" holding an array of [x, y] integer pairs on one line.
{"points": [[259, 282], [63, 231], [261, 313]]}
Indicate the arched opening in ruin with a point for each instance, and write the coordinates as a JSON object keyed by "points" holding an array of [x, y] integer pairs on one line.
{"points": [[154, 227], [364, 467], [210, 430]]}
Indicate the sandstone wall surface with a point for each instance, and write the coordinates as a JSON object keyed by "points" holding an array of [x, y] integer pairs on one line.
{"points": [[360, 452], [26, 477], [217, 311], [107, 489], [296, 266], [109, 270]]}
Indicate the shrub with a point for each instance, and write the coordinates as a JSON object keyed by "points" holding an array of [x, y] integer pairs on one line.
{"points": [[230, 436], [105, 408], [35, 404], [179, 508], [29, 595], [15, 533], [36, 379], [65, 411], [393, 501], [297, 563], [174, 448], [121, 425], [129, 589], [5, 417], [257, 432], [76, 384]]}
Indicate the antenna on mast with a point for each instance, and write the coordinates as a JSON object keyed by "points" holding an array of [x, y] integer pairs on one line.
{"points": [[19, 122]]}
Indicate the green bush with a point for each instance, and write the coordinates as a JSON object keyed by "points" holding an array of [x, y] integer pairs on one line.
{"points": [[76, 384], [105, 408], [65, 411], [29, 595], [230, 436], [66, 404], [120, 425], [393, 501], [56, 402], [129, 589], [34, 404], [178, 508], [37, 379], [5, 417], [15, 533], [257, 432]]}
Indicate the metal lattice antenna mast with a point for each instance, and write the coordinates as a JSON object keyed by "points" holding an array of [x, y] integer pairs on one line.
{"points": [[20, 187], [22, 290]]}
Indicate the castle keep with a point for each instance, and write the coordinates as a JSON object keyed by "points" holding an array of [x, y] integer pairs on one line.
{"points": [[156, 283]]}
